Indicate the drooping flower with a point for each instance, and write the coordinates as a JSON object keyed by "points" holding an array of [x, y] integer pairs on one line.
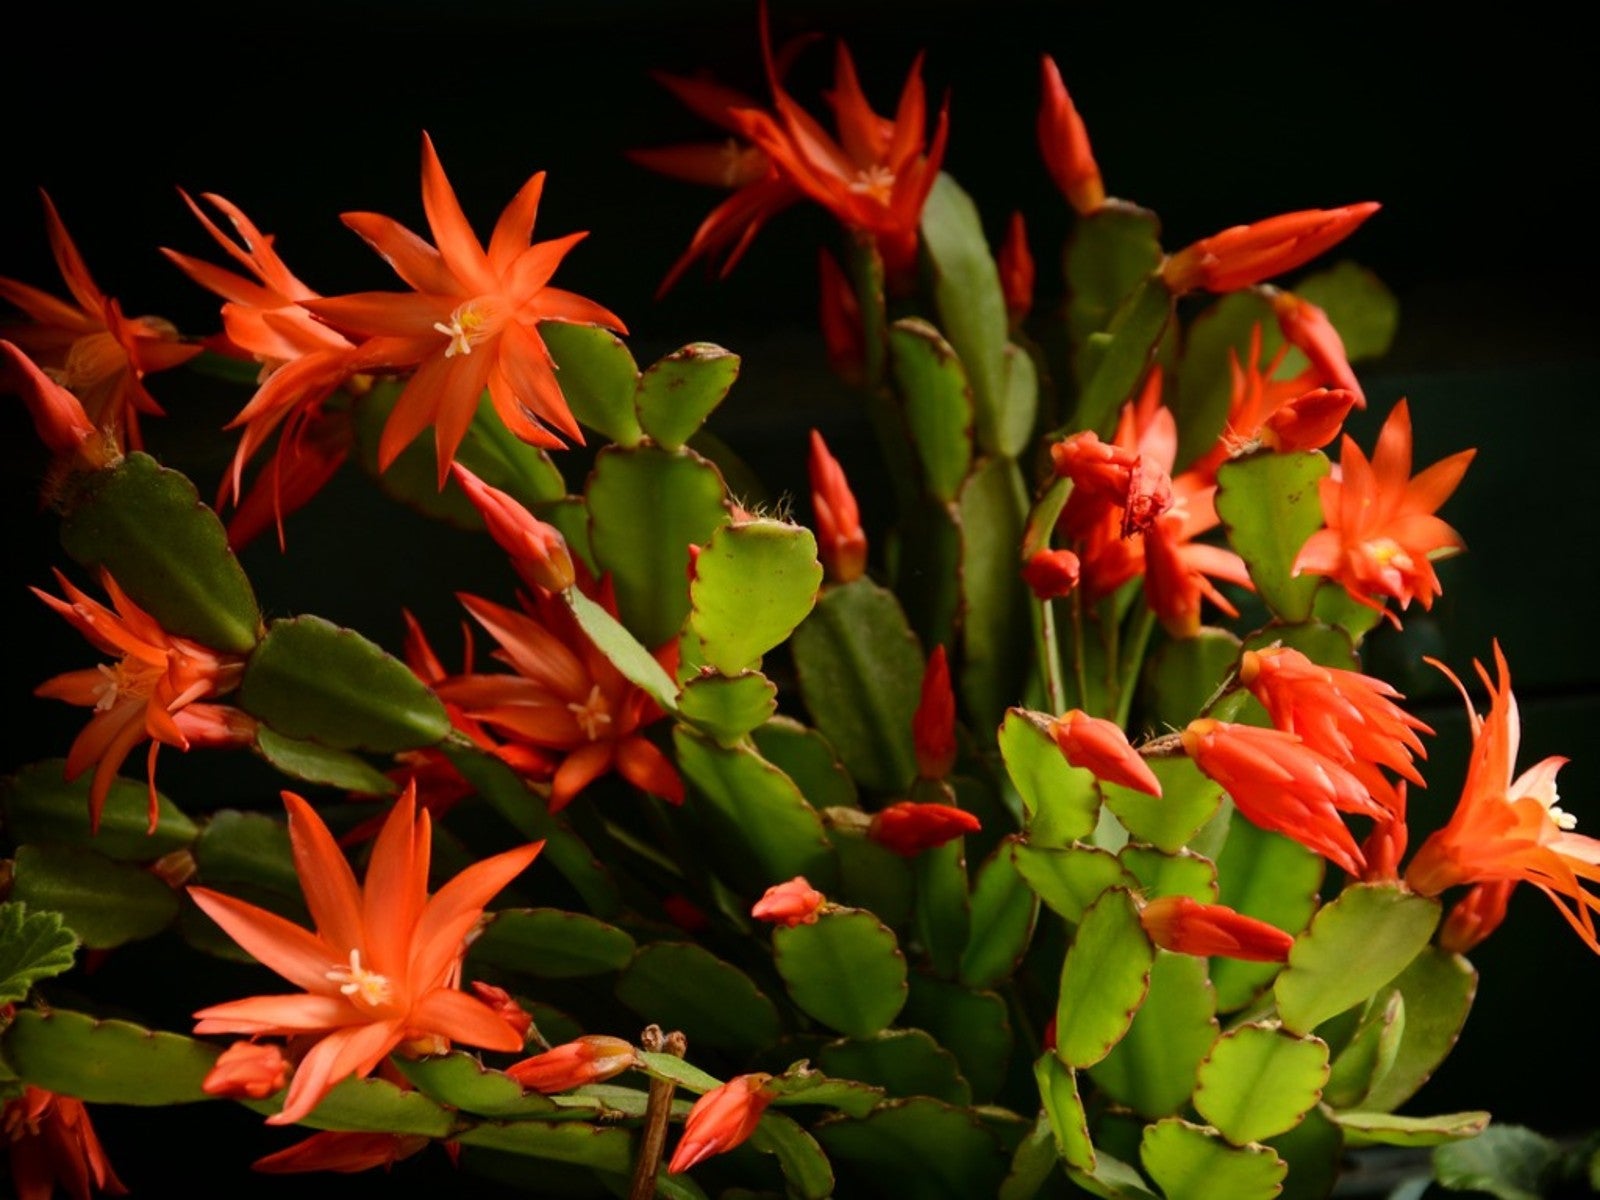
{"points": [[1186, 926], [142, 695], [565, 696], [789, 904], [1507, 828], [1064, 142], [51, 1144], [593, 1058], [1243, 255], [841, 542], [1381, 536], [1281, 784], [254, 1070], [342, 1152], [909, 827], [1475, 916], [382, 969], [720, 1120], [472, 322], [1101, 747], [88, 346], [933, 725]]}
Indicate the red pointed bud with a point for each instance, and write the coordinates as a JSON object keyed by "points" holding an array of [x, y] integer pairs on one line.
{"points": [[840, 317], [1016, 269], [933, 725], [505, 1007], [1309, 422], [1051, 574], [591, 1059], [685, 913], [841, 543], [1307, 328], [537, 550], [344, 1153], [57, 414], [789, 904], [1064, 142], [1100, 747], [1186, 926], [1475, 916], [1249, 254], [720, 1120], [247, 1070], [909, 828]]}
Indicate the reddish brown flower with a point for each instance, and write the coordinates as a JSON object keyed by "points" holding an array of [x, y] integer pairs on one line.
{"points": [[52, 1144], [908, 827], [789, 904], [343, 1153]]}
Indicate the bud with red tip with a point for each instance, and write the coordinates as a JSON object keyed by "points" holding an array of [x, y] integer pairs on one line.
{"points": [[1309, 421], [590, 1059], [841, 543], [1100, 747], [1249, 254], [933, 725], [1051, 574], [537, 550], [247, 1070], [720, 1120], [1015, 261], [790, 904], [908, 828], [1307, 328], [1064, 142], [505, 1007], [1188, 927]]}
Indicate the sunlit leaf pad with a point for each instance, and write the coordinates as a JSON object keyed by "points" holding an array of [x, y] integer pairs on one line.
{"points": [[1070, 878], [1103, 980], [105, 1062], [728, 706], [1187, 801], [461, 1081], [1272, 878], [598, 377], [550, 944], [33, 946], [625, 652], [1060, 800], [1182, 874], [677, 394], [1370, 1053], [104, 903], [938, 403], [1437, 989], [309, 678], [928, 1148], [145, 524], [1152, 1069], [1063, 1108], [1354, 946], [904, 1062], [752, 585], [1387, 1129], [39, 805], [682, 986], [846, 970], [1270, 505], [1190, 1162], [1259, 1081]]}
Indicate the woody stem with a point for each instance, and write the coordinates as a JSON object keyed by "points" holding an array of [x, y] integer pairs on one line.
{"points": [[658, 1108]]}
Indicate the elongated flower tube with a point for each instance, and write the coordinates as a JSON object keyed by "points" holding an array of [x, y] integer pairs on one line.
{"points": [[933, 725], [1281, 784], [57, 414], [1186, 926], [841, 542], [789, 904], [538, 551], [908, 827], [1507, 828], [1248, 254], [1064, 142], [720, 1120], [1101, 747], [381, 971], [590, 1059], [52, 1143]]}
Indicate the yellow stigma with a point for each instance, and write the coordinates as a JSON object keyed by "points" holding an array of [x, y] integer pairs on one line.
{"points": [[876, 181], [126, 678], [591, 715], [464, 330], [364, 986]]}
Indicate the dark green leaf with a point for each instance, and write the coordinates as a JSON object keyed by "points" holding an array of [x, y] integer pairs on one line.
{"points": [[105, 1062], [938, 403], [33, 946], [105, 903], [1004, 909], [997, 635], [845, 969], [1272, 878], [316, 763], [1362, 309], [682, 986], [928, 1148], [39, 805], [1506, 1161], [904, 1062], [547, 943], [1134, 334], [1437, 990]]}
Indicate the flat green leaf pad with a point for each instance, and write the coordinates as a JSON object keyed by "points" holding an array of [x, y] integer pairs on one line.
{"points": [[461, 1081], [1437, 990], [37, 804], [1103, 980], [846, 970], [1070, 878], [677, 394], [682, 986], [938, 403], [597, 376], [753, 584], [550, 944], [728, 706], [1190, 1162], [1387, 1129], [1259, 1081], [1152, 1069], [1270, 505], [903, 1062], [1059, 800], [104, 903], [928, 1148], [1187, 801], [105, 1062]]}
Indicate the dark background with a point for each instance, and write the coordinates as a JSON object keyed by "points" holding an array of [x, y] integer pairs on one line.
{"points": [[1477, 136]]}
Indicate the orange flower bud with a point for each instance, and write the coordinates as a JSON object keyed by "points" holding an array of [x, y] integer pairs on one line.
{"points": [[1307, 328], [505, 1006], [57, 414], [1248, 254], [1308, 422], [537, 550], [589, 1059], [789, 904], [909, 828], [933, 725], [1475, 916], [1016, 269], [1064, 142], [249, 1070], [720, 1120], [1189, 927], [1099, 746], [1051, 574], [841, 544]]}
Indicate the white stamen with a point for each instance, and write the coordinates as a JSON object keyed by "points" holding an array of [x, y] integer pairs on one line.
{"points": [[591, 714], [463, 330], [360, 984], [876, 180]]}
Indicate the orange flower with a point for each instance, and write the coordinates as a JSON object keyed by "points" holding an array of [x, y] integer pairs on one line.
{"points": [[566, 695], [1248, 254], [590, 1059], [1506, 829], [1281, 784], [344, 1153], [933, 725], [142, 695], [1186, 926], [841, 542], [248, 1069], [57, 414], [720, 1120], [382, 969], [789, 904], [1100, 747], [90, 347], [472, 322], [1381, 534], [909, 827], [1064, 141], [52, 1144]]}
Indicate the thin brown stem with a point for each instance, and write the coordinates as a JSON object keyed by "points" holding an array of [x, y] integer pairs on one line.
{"points": [[658, 1109]]}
